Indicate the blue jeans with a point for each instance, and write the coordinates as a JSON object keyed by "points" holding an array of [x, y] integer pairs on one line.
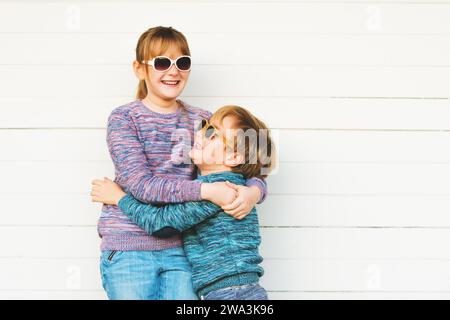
{"points": [[147, 275], [246, 292]]}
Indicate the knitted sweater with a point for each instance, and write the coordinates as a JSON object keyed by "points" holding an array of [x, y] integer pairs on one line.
{"points": [[150, 155], [223, 251]]}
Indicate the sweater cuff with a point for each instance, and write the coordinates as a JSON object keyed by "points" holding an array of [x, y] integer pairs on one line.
{"points": [[261, 184], [125, 202], [192, 191]]}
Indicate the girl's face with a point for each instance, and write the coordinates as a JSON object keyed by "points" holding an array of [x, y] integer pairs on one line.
{"points": [[166, 85]]}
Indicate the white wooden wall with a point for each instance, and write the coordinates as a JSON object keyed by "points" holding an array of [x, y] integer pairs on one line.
{"points": [[358, 92]]}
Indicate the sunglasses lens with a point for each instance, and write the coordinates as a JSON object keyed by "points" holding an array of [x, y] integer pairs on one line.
{"points": [[200, 125], [184, 63], [209, 132], [162, 64]]}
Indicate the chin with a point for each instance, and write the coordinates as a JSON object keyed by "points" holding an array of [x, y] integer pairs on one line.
{"points": [[193, 157], [196, 158], [171, 94], [198, 161]]}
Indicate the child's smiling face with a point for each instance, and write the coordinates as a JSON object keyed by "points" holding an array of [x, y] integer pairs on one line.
{"points": [[166, 85], [213, 152]]}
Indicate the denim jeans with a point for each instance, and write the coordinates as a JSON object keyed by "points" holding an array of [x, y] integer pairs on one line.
{"points": [[147, 275], [246, 292]]}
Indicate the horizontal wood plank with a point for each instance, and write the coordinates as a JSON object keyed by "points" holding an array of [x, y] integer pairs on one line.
{"points": [[280, 275], [288, 178], [277, 210], [336, 18], [317, 211], [235, 49], [299, 113], [277, 243], [293, 145], [229, 81]]}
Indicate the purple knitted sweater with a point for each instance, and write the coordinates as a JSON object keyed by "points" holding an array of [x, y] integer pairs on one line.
{"points": [[150, 155]]}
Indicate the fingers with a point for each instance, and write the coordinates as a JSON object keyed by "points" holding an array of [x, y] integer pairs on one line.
{"points": [[241, 215], [237, 207], [233, 206], [236, 212], [232, 185], [97, 186], [94, 196], [97, 182], [95, 191]]}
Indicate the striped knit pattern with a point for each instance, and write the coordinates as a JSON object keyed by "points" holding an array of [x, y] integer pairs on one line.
{"points": [[223, 251], [150, 155], [140, 143]]}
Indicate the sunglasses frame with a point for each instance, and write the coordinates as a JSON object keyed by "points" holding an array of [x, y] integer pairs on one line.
{"points": [[172, 62], [205, 125]]}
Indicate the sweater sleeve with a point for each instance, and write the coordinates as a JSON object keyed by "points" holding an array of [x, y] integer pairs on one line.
{"points": [[180, 216], [133, 171], [261, 184]]}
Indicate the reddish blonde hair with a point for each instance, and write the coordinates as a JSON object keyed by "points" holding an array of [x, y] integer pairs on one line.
{"points": [[154, 42], [259, 158]]}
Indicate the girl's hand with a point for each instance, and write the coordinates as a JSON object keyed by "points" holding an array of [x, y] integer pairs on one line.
{"points": [[246, 200], [218, 192], [106, 191]]}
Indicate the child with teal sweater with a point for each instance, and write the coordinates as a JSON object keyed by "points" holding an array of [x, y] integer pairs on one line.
{"points": [[223, 250]]}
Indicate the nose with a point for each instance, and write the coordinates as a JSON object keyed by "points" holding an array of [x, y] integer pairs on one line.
{"points": [[173, 70], [198, 138], [201, 139]]}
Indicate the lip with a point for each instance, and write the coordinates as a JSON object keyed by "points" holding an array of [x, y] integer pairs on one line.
{"points": [[178, 81]]}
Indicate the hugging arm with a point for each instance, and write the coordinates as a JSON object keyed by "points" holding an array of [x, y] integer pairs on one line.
{"points": [[180, 216]]}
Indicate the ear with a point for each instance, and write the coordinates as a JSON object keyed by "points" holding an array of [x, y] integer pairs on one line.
{"points": [[234, 160], [139, 70]]}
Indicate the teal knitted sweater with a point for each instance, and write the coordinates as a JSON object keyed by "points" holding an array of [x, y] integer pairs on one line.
{"points": [[223, 251]]}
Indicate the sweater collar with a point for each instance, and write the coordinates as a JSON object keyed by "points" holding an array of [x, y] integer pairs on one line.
{"points": [[233, 177]]}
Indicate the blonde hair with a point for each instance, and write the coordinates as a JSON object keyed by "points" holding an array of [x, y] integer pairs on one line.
{"points": [[154, 42], [259, 154]]}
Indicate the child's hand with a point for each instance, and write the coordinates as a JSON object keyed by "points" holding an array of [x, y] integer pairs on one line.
{"points": [[247, 198], [106, 191], [218, 192]]}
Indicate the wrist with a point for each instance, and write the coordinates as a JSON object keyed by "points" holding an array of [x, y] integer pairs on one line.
{"points": [[119, 197], [205, 191], [256, 193]]}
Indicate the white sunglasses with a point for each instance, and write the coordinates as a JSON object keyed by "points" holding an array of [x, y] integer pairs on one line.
{"points": [[163, 63]]}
